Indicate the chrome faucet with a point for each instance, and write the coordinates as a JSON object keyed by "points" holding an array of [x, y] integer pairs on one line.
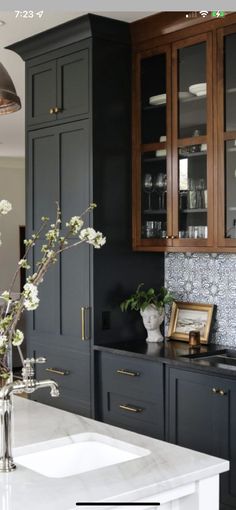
{"points": [[28, 384]]}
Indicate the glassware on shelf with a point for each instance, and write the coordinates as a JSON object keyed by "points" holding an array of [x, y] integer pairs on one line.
{"points": [[160, 187], [148, 187], [152, 229]]}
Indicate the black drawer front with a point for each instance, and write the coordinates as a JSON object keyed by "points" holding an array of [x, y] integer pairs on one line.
{"points": [[131, 377], [71, 370], [139, 415]]}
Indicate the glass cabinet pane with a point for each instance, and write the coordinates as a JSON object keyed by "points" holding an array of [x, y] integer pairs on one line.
{"points": [[154, 194], [230, 82], [153, 98], [230, 189], [192, 91], [193, 191]]}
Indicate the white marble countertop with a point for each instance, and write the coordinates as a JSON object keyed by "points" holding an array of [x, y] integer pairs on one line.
{"points": [[167, 467]]}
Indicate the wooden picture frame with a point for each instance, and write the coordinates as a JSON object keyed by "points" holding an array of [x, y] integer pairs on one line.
{"points": [[186, 317]]}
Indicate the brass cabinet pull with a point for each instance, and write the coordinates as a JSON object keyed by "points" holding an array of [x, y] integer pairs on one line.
{"points": [[222, 393], [124, 371], [84, 309], [214, 390], [57, 110], [51, 111], [57, 371], [131, 409]]}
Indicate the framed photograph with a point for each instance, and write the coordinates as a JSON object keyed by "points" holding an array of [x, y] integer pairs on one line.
{"points": [[186, 317]]}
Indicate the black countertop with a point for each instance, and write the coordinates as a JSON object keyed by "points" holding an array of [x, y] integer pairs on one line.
{"points": [[175, 352]]}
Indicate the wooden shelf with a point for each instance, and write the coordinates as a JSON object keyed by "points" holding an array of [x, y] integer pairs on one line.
{"points": [[154, 211], [186, 211], [193, 154], [153, 160]]}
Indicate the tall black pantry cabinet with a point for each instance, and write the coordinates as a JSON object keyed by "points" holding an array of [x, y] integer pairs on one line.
{"points": [[78, 151]]}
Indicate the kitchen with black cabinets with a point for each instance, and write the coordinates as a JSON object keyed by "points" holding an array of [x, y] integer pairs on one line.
{"points": [[140, 120]]}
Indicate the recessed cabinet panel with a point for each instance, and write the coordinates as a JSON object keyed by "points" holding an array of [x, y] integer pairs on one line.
{"points": [[153, 98], [192, 90], [74, 164], [230, 82], [193, 192], [73, 89], [154, 194], [75, 294], [43, 164], [47, 324], [42, 92]]}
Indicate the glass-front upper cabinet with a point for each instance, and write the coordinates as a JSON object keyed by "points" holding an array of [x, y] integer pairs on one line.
{"points": [[151, 144], [227, 137], [192, 142]]}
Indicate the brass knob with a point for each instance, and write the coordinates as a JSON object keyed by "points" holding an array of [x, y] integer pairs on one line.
{"points": [[51, 111], [214, 390], [222, 393], [167, 237], [173, 237], [57, 110]]}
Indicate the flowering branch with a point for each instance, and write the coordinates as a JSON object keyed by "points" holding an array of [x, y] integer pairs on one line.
{"points": [[53, 245]]}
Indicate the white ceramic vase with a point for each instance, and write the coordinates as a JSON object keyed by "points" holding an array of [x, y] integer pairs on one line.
{"points": [[152, 319]]}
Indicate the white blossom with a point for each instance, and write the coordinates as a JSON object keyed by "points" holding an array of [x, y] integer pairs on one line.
{"points": [[5, 295], [75, 224], [3, 341], [52, 234], [18, 337], [93, 237], [31, 300], [5, 207], [23, 263]]}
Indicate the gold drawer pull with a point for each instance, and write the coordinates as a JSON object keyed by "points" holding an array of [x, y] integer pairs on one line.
{"points": [[57, 110], [124, 371], [131, 409], [57, 371], [51, 111], [85, 317]]}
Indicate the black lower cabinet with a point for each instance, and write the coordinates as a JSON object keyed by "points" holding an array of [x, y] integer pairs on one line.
{"points": [[131, 394], [70, 368], [202, 417]]}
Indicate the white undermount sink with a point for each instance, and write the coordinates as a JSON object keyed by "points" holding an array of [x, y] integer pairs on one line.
{"points": [[76, 454]]}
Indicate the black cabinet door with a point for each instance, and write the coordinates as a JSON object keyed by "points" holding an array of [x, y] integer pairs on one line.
{"points": [[58, 89], [73, 85], [131, 394], [202, 417], [42, 93], [59, 170]]}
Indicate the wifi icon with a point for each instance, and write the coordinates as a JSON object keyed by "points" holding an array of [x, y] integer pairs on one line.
{"points": [[204, 13]]}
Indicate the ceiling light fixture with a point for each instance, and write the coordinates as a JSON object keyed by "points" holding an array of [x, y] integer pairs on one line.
{"points": [[9, 101]]}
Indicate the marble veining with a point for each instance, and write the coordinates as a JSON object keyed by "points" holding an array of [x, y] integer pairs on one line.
{"points": [[206, 278], [166, 468]]}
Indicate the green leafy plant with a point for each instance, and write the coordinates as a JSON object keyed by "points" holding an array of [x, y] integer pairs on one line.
{"points": [[142, 298]]}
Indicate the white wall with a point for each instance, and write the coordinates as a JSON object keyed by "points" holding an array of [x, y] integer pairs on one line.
{"points": [[12, 188]]}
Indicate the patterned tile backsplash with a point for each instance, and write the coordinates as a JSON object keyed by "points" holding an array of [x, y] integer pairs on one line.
{"points": [[206, 278]]}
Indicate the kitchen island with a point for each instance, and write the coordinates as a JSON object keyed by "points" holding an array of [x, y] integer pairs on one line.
{"points": [[175, 477]]}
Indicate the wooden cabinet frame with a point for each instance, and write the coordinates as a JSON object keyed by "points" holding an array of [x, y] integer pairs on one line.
{"points": [[150, 38]]}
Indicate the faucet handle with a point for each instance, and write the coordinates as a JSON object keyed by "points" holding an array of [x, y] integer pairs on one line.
{"points": [[41, 359]]}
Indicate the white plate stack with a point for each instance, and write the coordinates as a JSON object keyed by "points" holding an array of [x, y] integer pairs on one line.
{"points": [[198, 89]]}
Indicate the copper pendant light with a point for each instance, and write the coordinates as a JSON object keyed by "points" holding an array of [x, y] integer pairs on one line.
{"points": [[9, 101]]}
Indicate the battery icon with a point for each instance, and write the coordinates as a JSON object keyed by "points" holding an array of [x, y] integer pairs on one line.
{"points": [[218, 14]]}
